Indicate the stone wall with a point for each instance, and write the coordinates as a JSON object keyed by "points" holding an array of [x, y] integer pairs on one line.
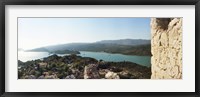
{"points": [[166, 48]]}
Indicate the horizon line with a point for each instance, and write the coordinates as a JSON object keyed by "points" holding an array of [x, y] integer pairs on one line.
{"points": [[83, 42]]}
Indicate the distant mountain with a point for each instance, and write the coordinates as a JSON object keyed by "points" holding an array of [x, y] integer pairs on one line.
{"points": [[123, 46], [127, 41], [70, 46], [42, 49]]}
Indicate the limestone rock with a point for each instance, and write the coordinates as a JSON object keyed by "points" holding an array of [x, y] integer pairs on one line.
{"points": [[30, 77], [166, 48], [124, 75], [51, 77], [111, 75], [70, 77], [91, 72], [102, 72], [42, 64]]}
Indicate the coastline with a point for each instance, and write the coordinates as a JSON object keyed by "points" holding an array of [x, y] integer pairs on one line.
{"points": [[75, 67]]}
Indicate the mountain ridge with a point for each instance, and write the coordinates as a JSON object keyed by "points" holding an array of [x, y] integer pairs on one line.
{"points": [[124, 46], [126, 41]]}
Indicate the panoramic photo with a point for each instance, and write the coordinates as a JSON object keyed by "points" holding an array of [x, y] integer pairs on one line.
{"points": [[99, 48]]}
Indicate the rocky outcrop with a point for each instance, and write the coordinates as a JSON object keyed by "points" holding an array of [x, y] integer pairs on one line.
{"points": [[166, 48], [91, 72], [30, 77], [111, 75], [77, 67], [42, 65], [70, 77]]}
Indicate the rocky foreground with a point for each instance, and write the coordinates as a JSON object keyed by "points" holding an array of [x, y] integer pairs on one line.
{"points": [[77, 67]]}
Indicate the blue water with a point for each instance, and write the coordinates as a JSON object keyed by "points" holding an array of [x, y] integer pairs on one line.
{"points": [[142, 60]]}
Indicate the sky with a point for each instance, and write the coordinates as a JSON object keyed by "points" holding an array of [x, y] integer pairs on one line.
{"points": [[39, 32]]}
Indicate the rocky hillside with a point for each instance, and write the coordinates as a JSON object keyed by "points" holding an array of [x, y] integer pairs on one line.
{"points": [[77, 67]]}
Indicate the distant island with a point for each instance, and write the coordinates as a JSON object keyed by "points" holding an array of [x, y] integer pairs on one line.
{"points": [[77, 67], [123, 46]]}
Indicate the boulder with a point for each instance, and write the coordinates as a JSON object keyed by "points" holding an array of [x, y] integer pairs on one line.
{"points": [[51, 76], [70, 77], [91, 72], [43, 65], [30, 77], [102, 72], [124, 75], [111, 75]]}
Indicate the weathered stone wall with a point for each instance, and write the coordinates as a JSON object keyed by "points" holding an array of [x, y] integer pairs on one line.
{"points": [[166, 48]]}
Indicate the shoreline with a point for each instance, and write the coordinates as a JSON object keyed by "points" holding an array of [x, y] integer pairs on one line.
{"points": [[102, 56], [73, 66]]}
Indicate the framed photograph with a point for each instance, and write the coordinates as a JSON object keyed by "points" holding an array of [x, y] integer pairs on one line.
{"points": [[99, 47]]}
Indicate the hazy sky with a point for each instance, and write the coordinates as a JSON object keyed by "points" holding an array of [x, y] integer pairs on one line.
{"points": [[38, 32]]}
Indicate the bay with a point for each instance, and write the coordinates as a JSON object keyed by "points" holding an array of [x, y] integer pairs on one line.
{"points": [[141, 60]]}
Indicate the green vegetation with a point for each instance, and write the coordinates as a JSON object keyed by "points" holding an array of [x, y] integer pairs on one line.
{"points": [[122, 49]]}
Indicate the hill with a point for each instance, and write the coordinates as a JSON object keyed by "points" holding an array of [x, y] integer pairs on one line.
{"points": [[132, 42], [123, 46]]}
